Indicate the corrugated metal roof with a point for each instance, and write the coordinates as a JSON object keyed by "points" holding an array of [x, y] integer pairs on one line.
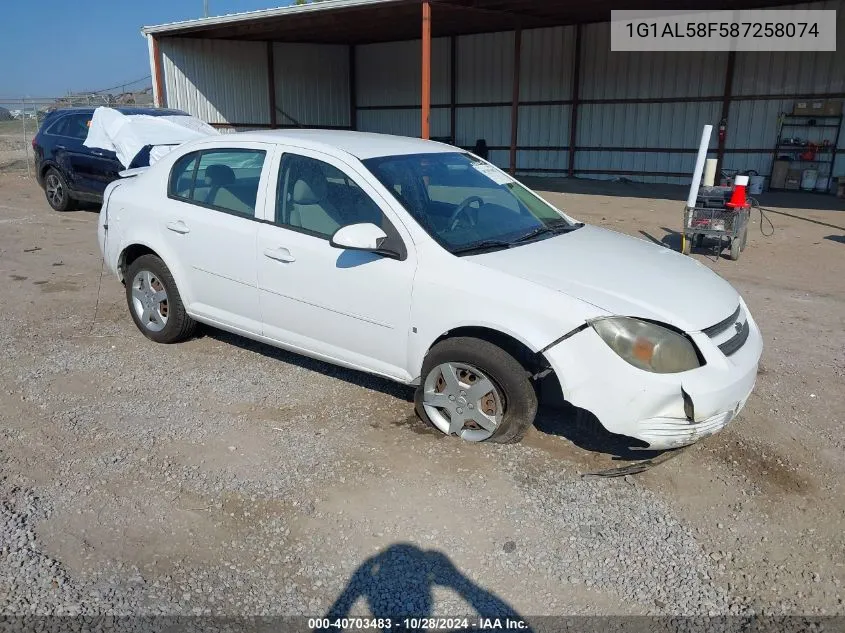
{"points": [[185, 26]]}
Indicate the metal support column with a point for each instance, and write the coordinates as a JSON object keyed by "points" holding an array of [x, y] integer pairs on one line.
{"points": [[517, 57], [426, 70], [726, 108], [271, 84], [576, 92]]}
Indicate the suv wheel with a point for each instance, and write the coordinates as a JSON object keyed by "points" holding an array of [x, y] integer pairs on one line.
{"points": [[55, 188], [476, 390], [154, 301]]}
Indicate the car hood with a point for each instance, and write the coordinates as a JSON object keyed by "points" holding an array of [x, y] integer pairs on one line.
{"points": [[621, 275]]}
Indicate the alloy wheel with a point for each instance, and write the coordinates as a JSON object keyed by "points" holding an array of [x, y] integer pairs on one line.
{"points": [[149, 300], [54, 189], [462, 400]]}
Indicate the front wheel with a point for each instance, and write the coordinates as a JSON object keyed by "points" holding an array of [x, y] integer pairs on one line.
{"points": [[476, 390]]}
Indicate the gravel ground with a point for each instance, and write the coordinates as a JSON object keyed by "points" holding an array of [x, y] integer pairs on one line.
{"points": [[221, 476]]}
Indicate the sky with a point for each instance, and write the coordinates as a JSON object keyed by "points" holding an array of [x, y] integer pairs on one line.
{"points": [[52, 46]]}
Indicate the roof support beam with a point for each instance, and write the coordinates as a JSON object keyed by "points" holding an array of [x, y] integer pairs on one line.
{"points": [[426, 70], [517, 60], [515, 17]]}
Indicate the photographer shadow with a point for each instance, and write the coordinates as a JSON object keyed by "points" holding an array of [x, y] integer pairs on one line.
{"points": [[398, 583]]}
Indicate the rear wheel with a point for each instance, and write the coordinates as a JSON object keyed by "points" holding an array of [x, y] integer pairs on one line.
{"points": [[155, 303], [476, 390], [55, 188]]}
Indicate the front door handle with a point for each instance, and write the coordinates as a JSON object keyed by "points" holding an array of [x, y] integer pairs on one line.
{"points": [[178, 227], [280, 254]]}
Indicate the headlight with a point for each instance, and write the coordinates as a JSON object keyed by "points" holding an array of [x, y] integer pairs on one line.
{"points": [[646, 345]]}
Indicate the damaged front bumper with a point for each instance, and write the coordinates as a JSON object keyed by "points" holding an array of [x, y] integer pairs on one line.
{"points": [[650, 407]]}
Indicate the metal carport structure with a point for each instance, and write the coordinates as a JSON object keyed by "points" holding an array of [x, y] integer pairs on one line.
{"points": [[534, 78]]}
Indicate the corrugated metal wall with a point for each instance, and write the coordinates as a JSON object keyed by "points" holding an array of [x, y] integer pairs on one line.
{"points": [[219, 81], [639, 114], [390, 74], [312, 84]]}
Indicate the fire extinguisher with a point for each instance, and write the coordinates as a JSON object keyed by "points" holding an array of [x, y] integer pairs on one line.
{"points": [[723, 128]]}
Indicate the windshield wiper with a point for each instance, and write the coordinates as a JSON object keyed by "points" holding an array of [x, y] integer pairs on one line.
{"points": [[484, 245], [554, 229]]}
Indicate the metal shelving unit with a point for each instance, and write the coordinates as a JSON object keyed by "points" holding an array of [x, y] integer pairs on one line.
{"points": [[825, 154]]}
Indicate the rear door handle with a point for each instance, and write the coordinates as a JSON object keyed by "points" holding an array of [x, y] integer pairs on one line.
{"points": [[178, 227], [280, 254]]}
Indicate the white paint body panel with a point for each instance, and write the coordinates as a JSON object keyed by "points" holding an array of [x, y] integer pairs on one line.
{"points": [[382, 315]]}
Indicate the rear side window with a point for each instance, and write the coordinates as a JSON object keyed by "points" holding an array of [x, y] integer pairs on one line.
{"points": [[222, 179], [73, 126], [182, 176]]}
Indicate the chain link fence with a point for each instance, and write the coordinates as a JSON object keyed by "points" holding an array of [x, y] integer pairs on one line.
{"points": [[20, 118]]}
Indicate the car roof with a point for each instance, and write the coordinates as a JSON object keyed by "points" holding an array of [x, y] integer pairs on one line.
{"points": [[121, 109], [362, 145]]}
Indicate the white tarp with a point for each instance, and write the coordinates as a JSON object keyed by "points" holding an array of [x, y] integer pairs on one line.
{"points": [[128, 134]]}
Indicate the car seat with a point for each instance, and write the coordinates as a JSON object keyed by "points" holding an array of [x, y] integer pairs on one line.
{"points": [[218, 176], [222, 194], [310, 208]]}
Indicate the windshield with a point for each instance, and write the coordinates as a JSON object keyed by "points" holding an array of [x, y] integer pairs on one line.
{"points": [[465, 203]]}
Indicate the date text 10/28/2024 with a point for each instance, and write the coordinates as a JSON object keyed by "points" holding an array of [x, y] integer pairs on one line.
{"points": [[419, 624]]}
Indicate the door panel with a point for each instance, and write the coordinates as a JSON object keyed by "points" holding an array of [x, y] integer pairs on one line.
{"points": [[215, 231], [346, 305]]}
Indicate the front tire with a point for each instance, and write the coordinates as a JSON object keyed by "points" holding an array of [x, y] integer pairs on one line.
{"points": [[474, 389], [56, 190], [154, 301]]}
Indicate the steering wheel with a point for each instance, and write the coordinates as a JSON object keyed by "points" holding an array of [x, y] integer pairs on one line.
{"points": [[461, 209]]}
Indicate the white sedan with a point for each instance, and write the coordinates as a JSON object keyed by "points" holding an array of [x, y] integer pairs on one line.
{"points": [[423, 263]]}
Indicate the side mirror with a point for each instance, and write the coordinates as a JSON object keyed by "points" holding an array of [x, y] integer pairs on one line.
{"points": [[359, 237]]}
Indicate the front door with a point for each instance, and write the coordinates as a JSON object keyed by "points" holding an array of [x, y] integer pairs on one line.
{"points": [[347, 306]]}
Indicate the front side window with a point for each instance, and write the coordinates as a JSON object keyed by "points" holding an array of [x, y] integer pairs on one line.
{"points": [[317, 198], [464, 203], [222, 179]]}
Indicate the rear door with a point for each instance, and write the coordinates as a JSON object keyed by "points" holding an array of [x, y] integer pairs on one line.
{"points": [[67, 134], [209, 220], [88, 170]]}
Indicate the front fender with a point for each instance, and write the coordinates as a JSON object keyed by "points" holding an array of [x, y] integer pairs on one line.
{"points": [[532, 314]]}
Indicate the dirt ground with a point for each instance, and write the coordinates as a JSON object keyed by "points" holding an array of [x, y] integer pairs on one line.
{"points": [[223, 475]]}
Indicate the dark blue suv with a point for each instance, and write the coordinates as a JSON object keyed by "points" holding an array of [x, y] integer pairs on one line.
{"points": [[66, 169]]}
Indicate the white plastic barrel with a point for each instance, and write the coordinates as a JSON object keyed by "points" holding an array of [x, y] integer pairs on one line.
{"points": [[808, 179], [755, 185], [710, 172]]}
